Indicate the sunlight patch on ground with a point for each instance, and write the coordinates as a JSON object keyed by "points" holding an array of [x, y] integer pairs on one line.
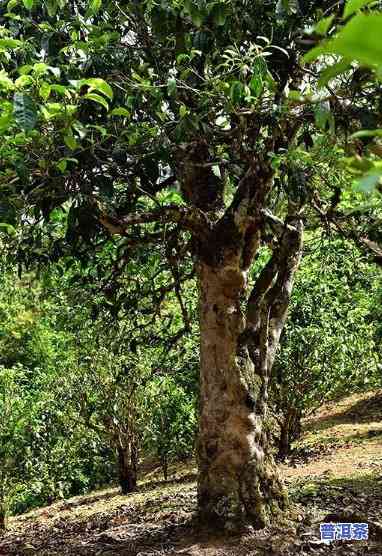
{"points": [[346, 437]]}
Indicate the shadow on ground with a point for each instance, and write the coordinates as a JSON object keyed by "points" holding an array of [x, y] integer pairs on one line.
{"points": [[363, 411], [188, 478]]}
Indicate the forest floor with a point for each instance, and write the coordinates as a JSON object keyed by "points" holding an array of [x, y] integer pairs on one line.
{"points": [[334, 475]]}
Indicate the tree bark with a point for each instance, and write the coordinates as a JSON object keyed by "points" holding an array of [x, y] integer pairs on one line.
{"points": [[290, 431], [164, 465], [3, 517], [284, 441], [127, 469], [238, 480]]}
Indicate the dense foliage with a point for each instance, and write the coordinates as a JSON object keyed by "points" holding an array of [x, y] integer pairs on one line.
{"points": [[331, 344], [45, 452], [73, 397]]}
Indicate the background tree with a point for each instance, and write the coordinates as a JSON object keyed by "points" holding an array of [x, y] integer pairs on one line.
{"points": [[126, 329], [170, 434], [46, 453], [329, 345]]}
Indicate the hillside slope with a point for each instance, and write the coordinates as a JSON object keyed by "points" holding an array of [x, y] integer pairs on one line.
{"points": [[336, 475]]}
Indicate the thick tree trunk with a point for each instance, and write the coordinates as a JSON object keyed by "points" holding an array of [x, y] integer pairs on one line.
{"points": [[238, 479], [127, 469]]}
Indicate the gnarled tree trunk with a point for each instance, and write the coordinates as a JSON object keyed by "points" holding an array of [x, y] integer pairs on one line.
{"points": [[237, 476], [239, 329], [238, 479]]}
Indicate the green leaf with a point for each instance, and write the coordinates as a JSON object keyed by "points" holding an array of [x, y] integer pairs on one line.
{"points": [[8, 228], [367, 133], [314, 53], [94, 6], [24, 111], [10, 43], [120, 111], [40, 68], [219, 14], [183, 110], [216, 171], [51, 7], [197, 16], [97, 98], [295, 96], [62, 164], [171, 86], [70, 141], [332, 71], [80, 129], [12, 4], [236, 92], [51, 110], [355, 5], [28, 4], [360, 40], [97, 84], [26, 68], [256, 85], [323, 25], [60, 89], [6, 116], [45, 90], [101, 129], [23, 81], [182, 58], [5, 82], [172, 196]]}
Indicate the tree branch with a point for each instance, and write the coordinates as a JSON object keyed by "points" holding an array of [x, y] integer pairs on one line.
{"points": [[360, 238], [191, 219], [280, 294]]}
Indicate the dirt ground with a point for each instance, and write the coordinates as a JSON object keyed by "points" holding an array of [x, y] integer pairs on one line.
{"points": [[334, 475]]}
